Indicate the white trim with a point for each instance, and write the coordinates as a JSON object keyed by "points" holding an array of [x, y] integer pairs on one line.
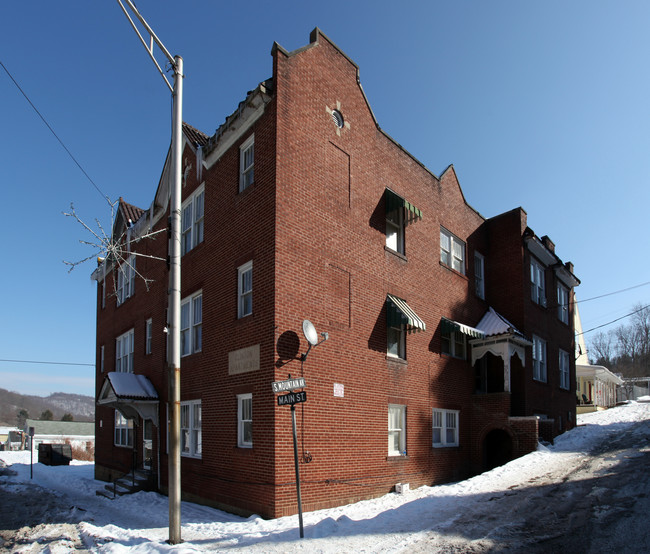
{"points": [[242, 420], [192, 440], [398, 430], [242, 295], [445, 421]]}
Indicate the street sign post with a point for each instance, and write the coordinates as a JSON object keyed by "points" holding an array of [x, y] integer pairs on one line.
{"points": [[291, 399]]}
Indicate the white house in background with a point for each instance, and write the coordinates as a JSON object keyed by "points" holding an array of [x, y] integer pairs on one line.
{"points": [[595, 384]]}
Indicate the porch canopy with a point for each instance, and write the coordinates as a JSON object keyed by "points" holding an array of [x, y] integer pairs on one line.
{"points": [[501, 338], [132, 395]]}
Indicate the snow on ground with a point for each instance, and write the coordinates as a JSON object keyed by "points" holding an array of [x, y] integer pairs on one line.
{"points": [[139, 523]]}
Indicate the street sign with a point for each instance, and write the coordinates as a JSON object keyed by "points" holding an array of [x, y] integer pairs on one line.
{"points": [[288, 385], [292, 398]]}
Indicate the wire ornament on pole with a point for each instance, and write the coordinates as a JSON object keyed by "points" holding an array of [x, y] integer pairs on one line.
{"points": [[115, 250]]}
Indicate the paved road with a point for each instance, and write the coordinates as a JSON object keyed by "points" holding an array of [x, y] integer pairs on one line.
{"points": [[602, 505]]}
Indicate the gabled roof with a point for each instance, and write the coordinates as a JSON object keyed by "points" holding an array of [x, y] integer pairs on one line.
{"points": [[130, 213], [493, 323], [127, 386], [194, 136]]}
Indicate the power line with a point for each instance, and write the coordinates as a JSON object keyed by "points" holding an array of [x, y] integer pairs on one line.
{"points": [[55, 135], [611, 293], [49, 363], [614, 320]]}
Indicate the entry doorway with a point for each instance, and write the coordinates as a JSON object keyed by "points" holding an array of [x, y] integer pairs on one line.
{"points": [[147, 444], [497, 449]]}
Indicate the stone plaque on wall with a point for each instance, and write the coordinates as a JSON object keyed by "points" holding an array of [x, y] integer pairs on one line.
{"points": [[244, 360]]}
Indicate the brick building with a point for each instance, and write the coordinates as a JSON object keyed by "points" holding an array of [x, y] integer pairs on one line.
{"points": [[449, 334]]}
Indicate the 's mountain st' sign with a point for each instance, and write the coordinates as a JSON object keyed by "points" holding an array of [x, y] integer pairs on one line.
{"points": [[288, 385]]}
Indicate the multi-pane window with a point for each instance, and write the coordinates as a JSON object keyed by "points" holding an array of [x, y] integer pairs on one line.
{"points": [[564, 370], [148, 336], [445, 428], [126, 280], [191, 428], [247, 163], [191, 324], [124, 352], [396, 347], [245, 289], [452, 251], [123, 430], [479, 275], [395, 230], [192, 220], [539, 359], [245, 420], [396, 430], [453, 343], [537, 284], [563, 303]]}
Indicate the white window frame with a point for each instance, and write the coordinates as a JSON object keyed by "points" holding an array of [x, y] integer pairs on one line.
{"points": [[396, 429], [244, 290], [564, 364], [247, 163], [539, 360], [123, 430], [191, 434], [124, 352], [563, 303], [245, 420], [192, 324], [479, 275], [395, 231], [148, 334], [454, 344], [192, 215], [126, 280], [445, 428], [537, 282], [452, 251], [396, 342]]}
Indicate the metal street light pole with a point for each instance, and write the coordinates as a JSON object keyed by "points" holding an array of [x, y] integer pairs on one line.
{"points": [[174, 359]]}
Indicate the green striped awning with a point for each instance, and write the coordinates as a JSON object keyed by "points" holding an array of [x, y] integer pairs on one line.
{"points": [[395, 202], [400, 314], [449, 326]]}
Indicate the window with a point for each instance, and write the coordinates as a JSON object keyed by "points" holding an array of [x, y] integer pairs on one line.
{"points": [[445, 428], [191, 428], [148, 327], [539, 359], [192, 220], [191, 324], [101, 358], [245, 420], [563, 303], [126, 280], [395, 230], [453, 343], [247, 163], [123, 430], [479, 275], [124, 352], [538, 288], [245, 290], [396, 342], [564, 370], [396, 430], [452, 251]]}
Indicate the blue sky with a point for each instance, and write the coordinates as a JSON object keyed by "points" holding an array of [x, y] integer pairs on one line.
{"points": [[542, 105]]}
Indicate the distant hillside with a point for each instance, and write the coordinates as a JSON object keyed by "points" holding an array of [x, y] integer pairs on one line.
{"points": [[81, 407]]}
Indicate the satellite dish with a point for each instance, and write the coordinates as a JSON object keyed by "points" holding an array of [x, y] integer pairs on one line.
{"points": [[310, 333]]}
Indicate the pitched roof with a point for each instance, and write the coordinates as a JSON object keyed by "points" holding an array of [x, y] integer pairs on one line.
{"points": [[193, 135], [65, 428], [493, 323], [130, 213]]}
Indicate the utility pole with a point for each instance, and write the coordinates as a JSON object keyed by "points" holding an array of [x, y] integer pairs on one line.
{"points": [[174, 302]]}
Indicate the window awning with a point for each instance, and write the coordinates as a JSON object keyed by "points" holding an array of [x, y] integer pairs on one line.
{"points": [[400, 314], [395, 202], [449, 326]]}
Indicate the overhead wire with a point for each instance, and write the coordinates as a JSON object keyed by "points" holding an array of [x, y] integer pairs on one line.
{"points": [[45, 362], [54, 133]]}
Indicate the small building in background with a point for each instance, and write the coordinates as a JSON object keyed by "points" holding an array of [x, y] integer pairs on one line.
{"points": [[78, 434]]}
